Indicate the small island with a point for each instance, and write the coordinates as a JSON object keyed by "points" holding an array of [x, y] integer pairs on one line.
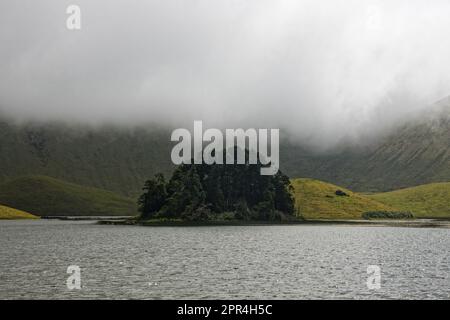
{"points": [[217, 194]]}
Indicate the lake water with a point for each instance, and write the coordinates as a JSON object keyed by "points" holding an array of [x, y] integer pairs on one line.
{"points": [[257, 262]]}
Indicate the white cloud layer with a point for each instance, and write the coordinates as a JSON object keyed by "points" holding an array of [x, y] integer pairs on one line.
{"points": [[323, 70]]}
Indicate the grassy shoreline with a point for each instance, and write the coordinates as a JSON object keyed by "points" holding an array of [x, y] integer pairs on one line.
{"points": [[7, 213], [413, 223]]}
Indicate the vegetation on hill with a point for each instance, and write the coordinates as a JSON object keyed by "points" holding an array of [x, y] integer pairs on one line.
{"points": [[316, 199], [10, 213], [387, 215], [217, 192], [45, 196], [425, 201]]}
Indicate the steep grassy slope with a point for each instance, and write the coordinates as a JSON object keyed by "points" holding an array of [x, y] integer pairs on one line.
{"points": [[317, 200], [111, 158], [12, 214], [45, 196], [425, 201]]}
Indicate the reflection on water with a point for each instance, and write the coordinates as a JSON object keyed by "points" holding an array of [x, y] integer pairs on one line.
{"points": [[260, 262]]}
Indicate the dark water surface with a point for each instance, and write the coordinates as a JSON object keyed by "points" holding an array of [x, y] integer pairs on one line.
{"points": [[260, 262]]}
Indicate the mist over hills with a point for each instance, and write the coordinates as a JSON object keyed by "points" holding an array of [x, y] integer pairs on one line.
{"points": [[417, 152], [323, 73], [120, 159]]}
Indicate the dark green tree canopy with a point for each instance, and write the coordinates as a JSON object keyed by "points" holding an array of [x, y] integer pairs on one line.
{"points": [[202, 192], [154, 196]]}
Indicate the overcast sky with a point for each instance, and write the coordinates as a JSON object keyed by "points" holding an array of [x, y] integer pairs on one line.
{"points": [[323, 70]]}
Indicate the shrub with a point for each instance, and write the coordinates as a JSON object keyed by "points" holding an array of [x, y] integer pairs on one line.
{"points": [[387, 215], [341, 193]]}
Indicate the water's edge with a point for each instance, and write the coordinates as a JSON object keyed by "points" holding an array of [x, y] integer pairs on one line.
{"points": [[416, 223]]}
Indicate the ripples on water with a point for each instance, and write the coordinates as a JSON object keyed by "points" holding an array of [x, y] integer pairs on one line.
{"points": [[257, 262]]}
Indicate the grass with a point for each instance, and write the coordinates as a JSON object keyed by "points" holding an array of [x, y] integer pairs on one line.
{"points": [[317, 200], [45, 196], [425, 201], [10, 213]]}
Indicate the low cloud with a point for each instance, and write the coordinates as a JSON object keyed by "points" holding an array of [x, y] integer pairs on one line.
{"points": [[325, 71]]}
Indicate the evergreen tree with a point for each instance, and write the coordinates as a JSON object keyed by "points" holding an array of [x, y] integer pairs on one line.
{"points": [[200, 192], [154, 196]]}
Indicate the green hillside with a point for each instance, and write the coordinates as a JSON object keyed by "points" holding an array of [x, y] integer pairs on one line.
{"points": [[12, 214], [45, 196], [425, 201], [317, 200], [113, 158]]}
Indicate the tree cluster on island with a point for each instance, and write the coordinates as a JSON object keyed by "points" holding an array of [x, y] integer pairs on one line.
{"points": [[201, 192]]}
